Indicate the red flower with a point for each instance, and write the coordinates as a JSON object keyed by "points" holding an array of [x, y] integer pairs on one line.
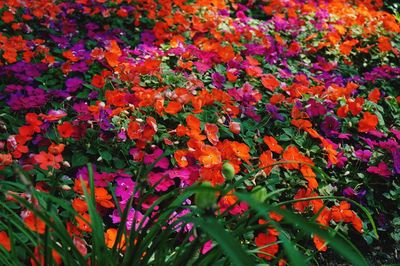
{"points": [[45, 160], [65, 129], [5, 241], [270, 249], [98, 81]]}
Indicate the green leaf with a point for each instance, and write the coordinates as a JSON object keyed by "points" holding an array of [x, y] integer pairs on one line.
{"points": [[105, 155], [229, 245]]}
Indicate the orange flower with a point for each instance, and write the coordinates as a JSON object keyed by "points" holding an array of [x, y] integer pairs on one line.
{"points": [[180, 157], [83, 222], [34, 223], [384, 44], [56, 148], [103, 198], [241, 150], [212, 175], [113, 53], [273, 144], [309, 175], [270, 82], [292, 154], [347, 46], [173, 107], [5, 159], [110, 237], [342, 212], [266, 162], [319, 243], [301, 123], [39, 256], [79, 205], [211, 132], [5, 241], [210, 156], [368, 123], [45, 160]]}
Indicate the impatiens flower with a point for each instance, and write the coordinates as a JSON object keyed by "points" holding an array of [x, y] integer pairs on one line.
{"points": [[125, 188], [330, 126], [382, 170], [103, 198], [151, 158], [396, 161], [266, 162], [319, 243], [273, 144], [363, 155], [269, 82], [368, 122], [206, 247], [5, 241], [65, 129], [54, 115], [266, 243], [45, 160], [110, 236], [134, 218], [210, 156], [315, 108], [161, 181], [218, 80], [34, 223]]}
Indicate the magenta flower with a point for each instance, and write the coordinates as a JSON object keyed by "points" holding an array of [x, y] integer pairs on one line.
{"points": [[161, 181], [381, 169], [206, 247], [151, 158], [315, 108], [125, 188], [363, 155]]}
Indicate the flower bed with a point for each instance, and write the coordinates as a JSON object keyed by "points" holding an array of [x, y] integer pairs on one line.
{"points": [[199, 132]]}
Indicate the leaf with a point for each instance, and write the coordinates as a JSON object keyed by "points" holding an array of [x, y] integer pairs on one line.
{"points": [[78, 160], [337, 242], [105, 155], [229, 245]]}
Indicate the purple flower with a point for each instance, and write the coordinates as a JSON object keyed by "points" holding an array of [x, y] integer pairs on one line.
{"points": [[330, 126], [273, 110], [73, 84], [396, 161], [315, 108], [363, 155], [341, 160], [352, 193], [218, 80]]}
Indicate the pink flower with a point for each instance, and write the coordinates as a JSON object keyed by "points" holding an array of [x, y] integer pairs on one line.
{"points": [[151, 158], [125, 188], [207, 247], [161, 181], [381, 169]]}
